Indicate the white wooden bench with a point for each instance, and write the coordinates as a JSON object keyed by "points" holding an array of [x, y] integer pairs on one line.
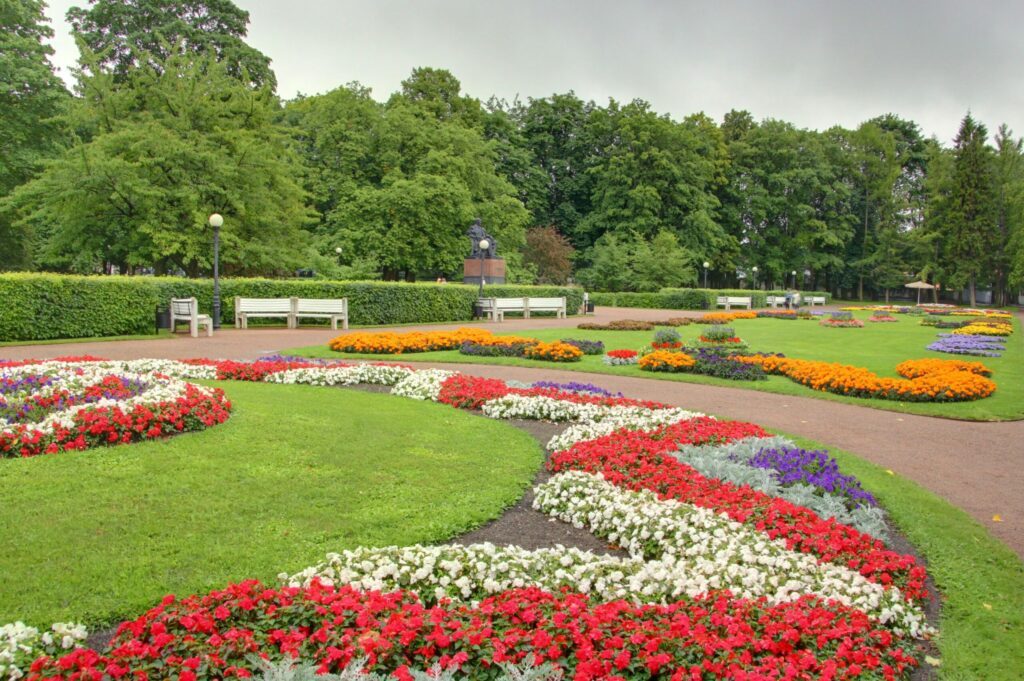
{"points": [[321, 308], [495, 308], [815, 300], [246, 308], [728, 302], [556, 305], [187, 310], [775, 301]]}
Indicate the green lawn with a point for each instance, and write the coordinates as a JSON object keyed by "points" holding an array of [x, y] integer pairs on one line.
{"points": [[297, 471], [981, 580], [877, 346]]}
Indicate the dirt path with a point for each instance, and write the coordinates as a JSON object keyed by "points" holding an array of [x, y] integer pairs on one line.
{"points": [[976, 466]]}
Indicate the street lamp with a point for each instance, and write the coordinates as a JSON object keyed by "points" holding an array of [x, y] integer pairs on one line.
{"points": [[706, 266], [216, 220], [794, 278], [754, 270], [337, 251], [482, 247]]}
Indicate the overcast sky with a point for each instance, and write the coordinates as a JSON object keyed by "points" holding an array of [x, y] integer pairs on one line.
{"points": [[814, 63]]}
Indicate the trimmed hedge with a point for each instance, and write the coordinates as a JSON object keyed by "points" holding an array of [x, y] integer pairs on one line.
{"points": [[50, 306], [688, 298]]}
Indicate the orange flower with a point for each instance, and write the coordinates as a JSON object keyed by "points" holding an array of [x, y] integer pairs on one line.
{"points": [[725, 317], [926, 380], [553, 352], [664, 360], [390, 343]]}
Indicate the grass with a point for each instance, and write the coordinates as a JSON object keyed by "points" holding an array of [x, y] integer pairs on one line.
{"points": [[877, 346], [981, 581], [297, 471], [90, 339]]}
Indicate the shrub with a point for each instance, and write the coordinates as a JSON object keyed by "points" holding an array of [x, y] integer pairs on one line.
{"points": [[718, 333], [493, 349], [48, 306], [667, 338]]}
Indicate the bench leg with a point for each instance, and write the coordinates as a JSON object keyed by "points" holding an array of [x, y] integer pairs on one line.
{"points": [[344, 322], [193, 327], [209, 329]]}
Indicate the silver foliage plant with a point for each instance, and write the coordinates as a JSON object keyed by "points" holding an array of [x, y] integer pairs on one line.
{"points": [[728, 462], [293, 670]]}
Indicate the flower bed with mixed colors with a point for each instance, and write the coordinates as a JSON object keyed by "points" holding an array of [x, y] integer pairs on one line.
{"points": [[728, 574], [56, 406]]}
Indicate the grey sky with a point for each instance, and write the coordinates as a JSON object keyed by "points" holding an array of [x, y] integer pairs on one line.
{"points": [[814, 63]]}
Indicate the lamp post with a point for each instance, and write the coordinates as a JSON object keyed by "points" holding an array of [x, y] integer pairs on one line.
{"points": [[706, 266], [216, 220], [794, 278], [754, 270], [483, 246], [337, 251]]}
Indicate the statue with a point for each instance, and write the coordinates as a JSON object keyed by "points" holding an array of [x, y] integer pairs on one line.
{"points": [[476, 233]]}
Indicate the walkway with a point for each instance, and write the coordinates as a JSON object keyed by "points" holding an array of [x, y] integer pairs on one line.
{"points": [[976, 466]]}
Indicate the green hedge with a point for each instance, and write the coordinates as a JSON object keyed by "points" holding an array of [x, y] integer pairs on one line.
{"points": [[687, 298], [49, 306]]}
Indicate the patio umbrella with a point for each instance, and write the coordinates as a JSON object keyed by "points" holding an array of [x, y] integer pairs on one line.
{"points": [[919, 285]]}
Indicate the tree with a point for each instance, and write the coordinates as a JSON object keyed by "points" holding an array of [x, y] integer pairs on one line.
{"points": [[657, 175], [31, 95], [973, 208], [1009, 178], [400, 185], [127, 34], [610, 267], [166, 147], [549, 253], [439, 93], [662, 262]]}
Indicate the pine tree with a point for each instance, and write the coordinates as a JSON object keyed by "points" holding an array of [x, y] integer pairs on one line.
{"points": [[972, 241]]}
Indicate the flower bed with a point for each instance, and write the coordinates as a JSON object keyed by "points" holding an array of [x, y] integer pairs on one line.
{"points": [[553, 352], [806, 592], [587, 347], [666, 360], [724, 317], [980, 346], [984, 329], [617, 325], [776, 314], [881, 317], [389, 343], [943, 381], [54, 406], [621, 357]]}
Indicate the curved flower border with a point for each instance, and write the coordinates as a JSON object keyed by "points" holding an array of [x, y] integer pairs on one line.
{"points": [[621, 469]]}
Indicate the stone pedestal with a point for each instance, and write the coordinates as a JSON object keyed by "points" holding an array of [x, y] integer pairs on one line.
{"points": [[493, 271]]}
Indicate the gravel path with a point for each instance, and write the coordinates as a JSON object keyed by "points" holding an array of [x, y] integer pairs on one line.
{"points": [[976, 466]]}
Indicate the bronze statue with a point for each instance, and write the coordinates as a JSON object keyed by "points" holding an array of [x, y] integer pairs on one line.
{"points": [[475, 233]]}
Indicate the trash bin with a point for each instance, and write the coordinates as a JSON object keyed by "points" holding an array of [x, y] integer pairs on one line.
{"points": [[590, 308], [478, 311], [163, 318]]}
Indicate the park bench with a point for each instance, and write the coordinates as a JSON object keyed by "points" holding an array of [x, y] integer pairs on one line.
{"points": [[775, 301], [556, 305], [495, 308], [247, 308], [321, 308], [187, 310], [815, 300], [728, 302]]}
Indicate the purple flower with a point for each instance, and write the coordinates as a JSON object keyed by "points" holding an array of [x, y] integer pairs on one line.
{"points": [[575, 387], [587, 347], [962, 344], [816, 468]]}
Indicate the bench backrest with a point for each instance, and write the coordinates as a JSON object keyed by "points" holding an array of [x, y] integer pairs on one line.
{"points": [[734, 300], [816, 299], [184, 307], [509, 303], [281, 305], [547, 302], [323, 305]]}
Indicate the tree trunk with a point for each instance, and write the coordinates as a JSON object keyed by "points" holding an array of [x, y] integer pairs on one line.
{"points": [[974, 300], [886, 295]]}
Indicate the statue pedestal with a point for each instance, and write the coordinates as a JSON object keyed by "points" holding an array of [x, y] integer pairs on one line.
{"points": [[493, 271]]}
